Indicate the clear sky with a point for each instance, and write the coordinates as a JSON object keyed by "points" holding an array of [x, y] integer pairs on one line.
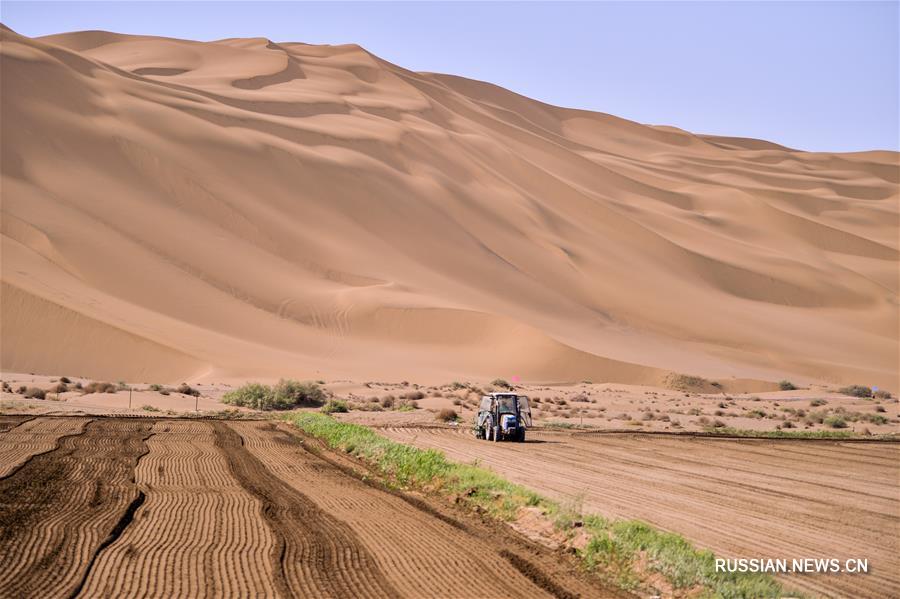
{"points": [[810, 75]]}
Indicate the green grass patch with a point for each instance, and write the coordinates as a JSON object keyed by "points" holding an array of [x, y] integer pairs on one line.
{"points": [[614, 549]]}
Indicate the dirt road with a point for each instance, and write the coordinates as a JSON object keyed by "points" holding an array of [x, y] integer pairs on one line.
{"points": [[160, 508], [740, 498]]}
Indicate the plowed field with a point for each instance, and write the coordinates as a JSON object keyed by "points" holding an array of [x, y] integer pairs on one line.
{"points": [[785, 498], [164, 508]]}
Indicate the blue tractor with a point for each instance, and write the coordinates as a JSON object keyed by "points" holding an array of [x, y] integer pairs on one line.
{"points": [[503, 416]]}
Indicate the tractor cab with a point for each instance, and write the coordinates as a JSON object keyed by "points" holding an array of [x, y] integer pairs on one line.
{"points": [[503, 416]]}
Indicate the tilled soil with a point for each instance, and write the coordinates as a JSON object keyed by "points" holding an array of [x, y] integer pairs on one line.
{"points": [[739, 497], [163, 508]]}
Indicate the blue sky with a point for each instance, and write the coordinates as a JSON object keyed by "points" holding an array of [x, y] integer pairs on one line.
{"points": [[810, 75]]}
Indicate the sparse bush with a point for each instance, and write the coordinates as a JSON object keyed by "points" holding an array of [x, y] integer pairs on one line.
{"points": [[786, 386], [387, 402], [251, 395], [880, 409], [501, 383], [335, 405], [876, 419], [186, 389], [413, 395], [100, 387], [59, 388], [718, 424], [34, 393], [881, 394], [787, 424], [856, 391], [64, 379], [21, 390], [149, 408], [156, 387], [835, 422], [818, 402], [6, 387], [447, 416], [457, 402], [121, 386], [288, 394], [79, 386]]}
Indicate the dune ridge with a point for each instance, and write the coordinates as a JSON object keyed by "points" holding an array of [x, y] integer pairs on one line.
{"points": [[244, 208]]}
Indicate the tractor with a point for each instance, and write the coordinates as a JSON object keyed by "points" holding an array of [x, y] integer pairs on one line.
{"points": [[503, 416]]}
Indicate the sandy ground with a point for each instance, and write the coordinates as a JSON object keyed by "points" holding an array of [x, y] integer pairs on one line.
{"points": [[594, 406], [243, 208], [133, 507], [740, 498]]}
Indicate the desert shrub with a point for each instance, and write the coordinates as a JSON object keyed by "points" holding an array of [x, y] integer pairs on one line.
{"points": [[100, 387], [787, 424], [456, 385], [718, 423], [149, 408], [186, 389], [437, 394], [786, 385], [121, 386], [156, 387], [817, 402], [716, 384], [856, 391], [413, 395], [695, 412], [876, 418], [502, 383], [881, 394], [880, 409], [251, 395], [387, 402], [447, 416], [647, 416], [59, 388], [335, 405], [835, 422], [34, 393], [79, 386], [407, 405], [457, 402], [21, 390], [288, 394], [65, 379], [6, 387]]}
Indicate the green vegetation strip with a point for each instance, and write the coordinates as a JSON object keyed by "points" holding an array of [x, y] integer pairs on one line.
{"points": [[614, 549], [782, 434]]}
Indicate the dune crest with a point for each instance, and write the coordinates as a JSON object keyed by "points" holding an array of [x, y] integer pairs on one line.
{"points": [[246, 208]]}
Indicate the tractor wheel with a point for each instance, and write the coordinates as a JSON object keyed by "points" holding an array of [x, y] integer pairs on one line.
{"points": [[520, 437]]}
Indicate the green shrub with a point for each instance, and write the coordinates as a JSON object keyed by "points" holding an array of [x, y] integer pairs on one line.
{"points": [[835, 422], [786, 386], [817, 402], [251, 395], [289, 394], [335, 405], [856, 391], [882, 394], [149, 408]]}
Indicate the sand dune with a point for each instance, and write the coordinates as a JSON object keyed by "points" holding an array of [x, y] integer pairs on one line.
{"points": [[244, 208]]}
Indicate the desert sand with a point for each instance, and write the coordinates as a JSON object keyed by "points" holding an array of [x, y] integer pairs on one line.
{"points": [[176, 210]]}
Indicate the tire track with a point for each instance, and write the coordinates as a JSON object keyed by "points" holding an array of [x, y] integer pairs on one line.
{"points": [[58, 509], [315, 554]]}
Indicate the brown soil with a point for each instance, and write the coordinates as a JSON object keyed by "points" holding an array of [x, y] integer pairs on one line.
{"points": [[740, 498], [60, 507], [161, 508]]}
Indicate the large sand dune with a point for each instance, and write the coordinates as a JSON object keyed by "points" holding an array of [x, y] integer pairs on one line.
{"points": [[244, 208]]}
